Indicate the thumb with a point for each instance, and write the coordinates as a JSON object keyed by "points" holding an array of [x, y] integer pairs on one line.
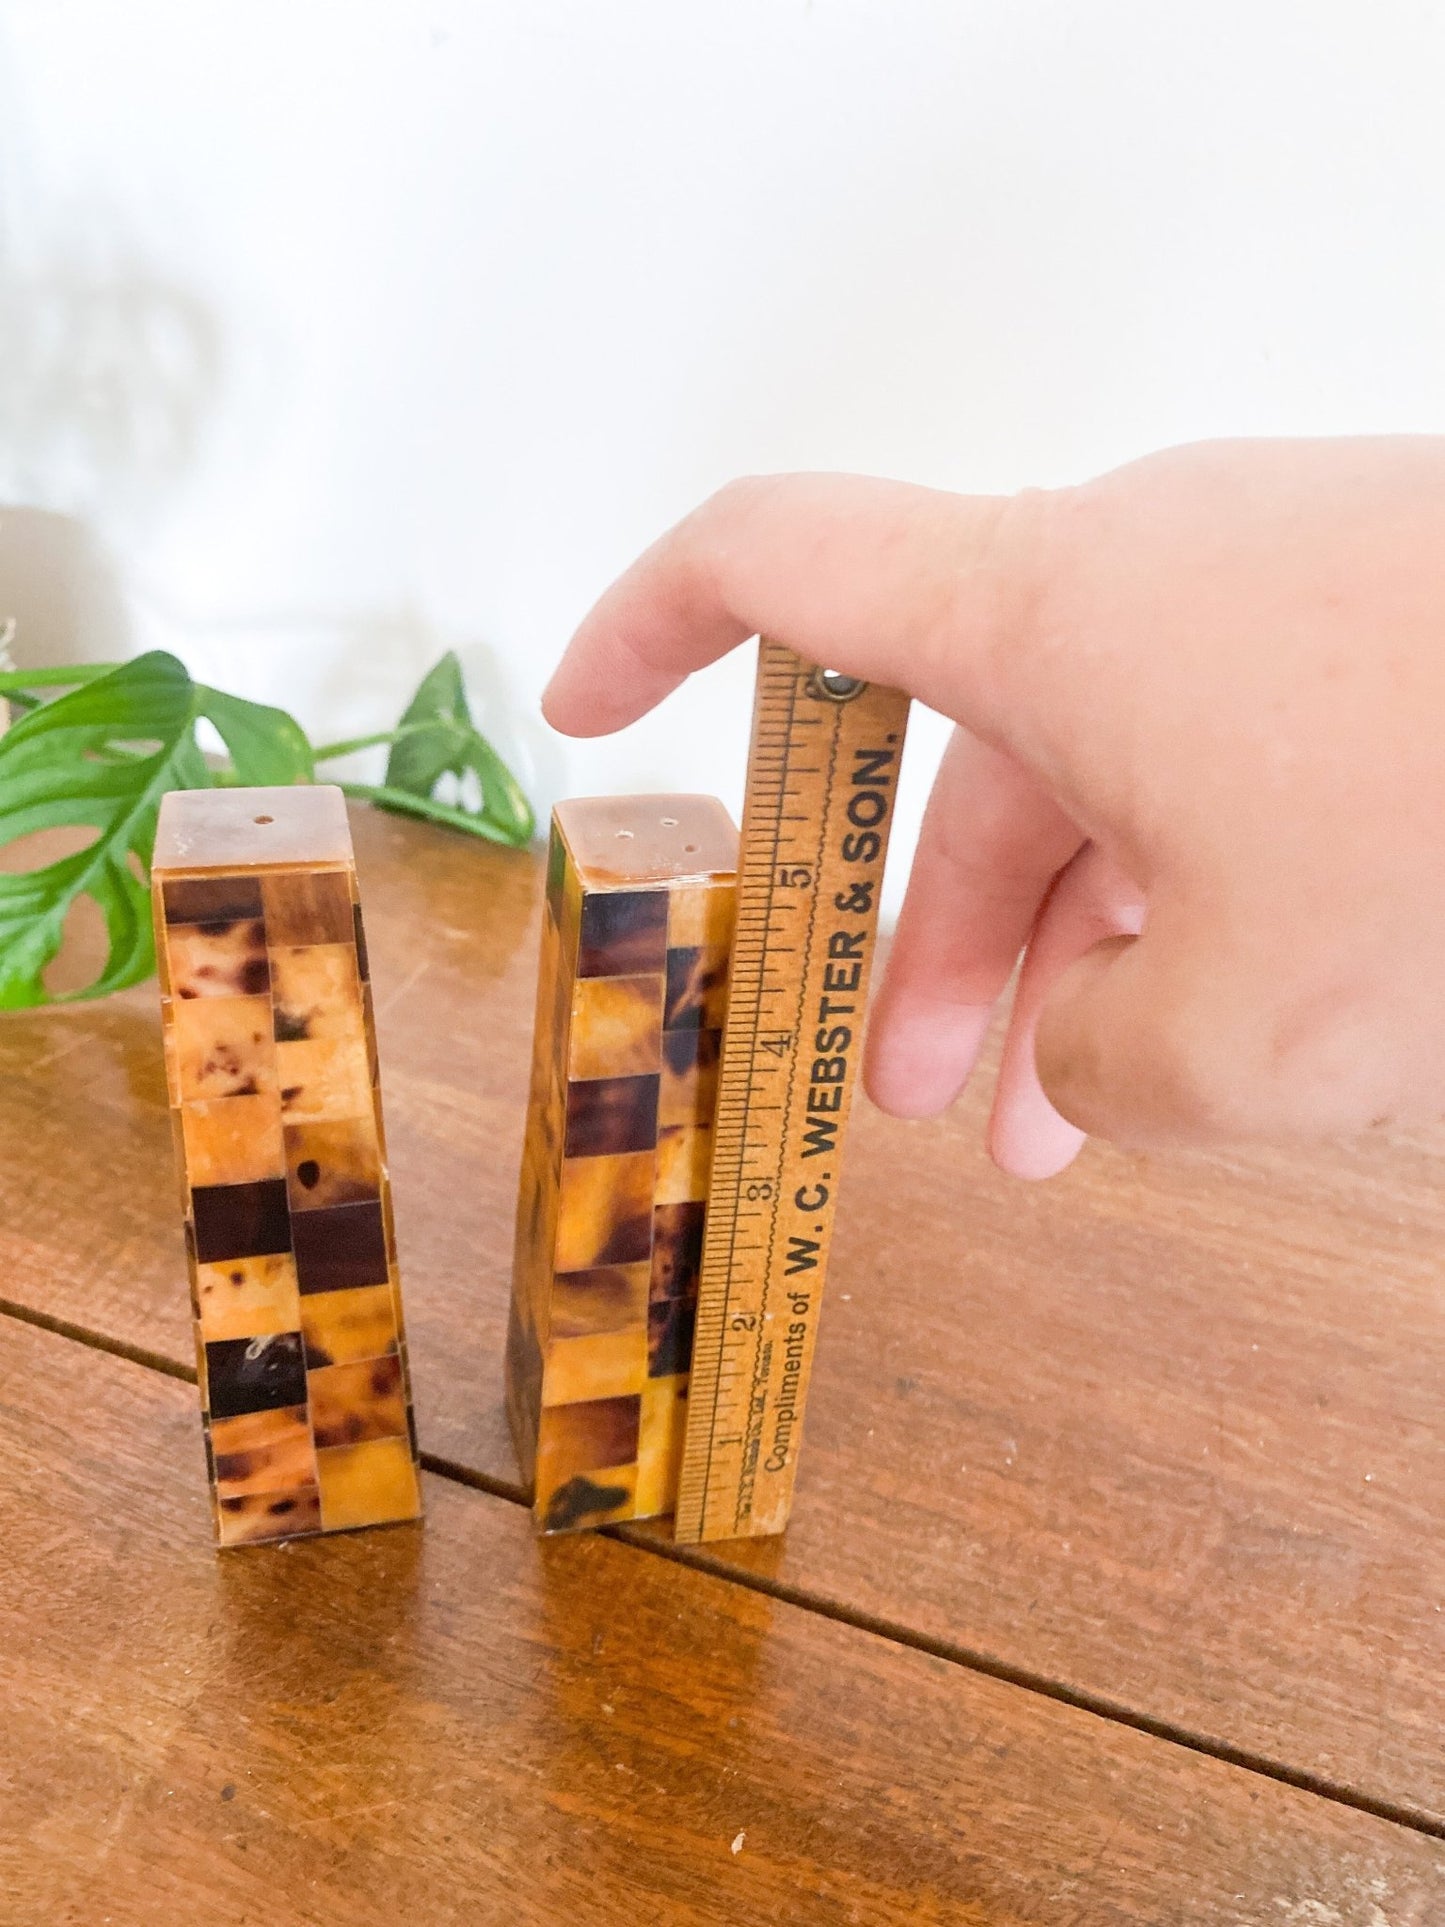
{"points": [[1128, 1048]]}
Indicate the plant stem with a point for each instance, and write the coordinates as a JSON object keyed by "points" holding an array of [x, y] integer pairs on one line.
{"points": [[22, 679], [329, 751], [407, 804]]}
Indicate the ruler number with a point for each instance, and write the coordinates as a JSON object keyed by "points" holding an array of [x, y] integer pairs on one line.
{"points": [[794, 876], [775, 1043]]}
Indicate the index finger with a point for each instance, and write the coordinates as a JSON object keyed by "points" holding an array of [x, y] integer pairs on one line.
{"points": [[908, 586]]}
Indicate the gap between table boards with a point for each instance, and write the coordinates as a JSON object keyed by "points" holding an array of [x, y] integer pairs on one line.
{"points": [[700, 1559]]}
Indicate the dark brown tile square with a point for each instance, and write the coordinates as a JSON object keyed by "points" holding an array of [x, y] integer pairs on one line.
{"points": [[624, 933], [340, 1247], [255, 1374], [697, 989], [226, 899], [688, 1051], [670, 1326], [240, 1220], [607, 1115], [363, 966], [676, 1250]]}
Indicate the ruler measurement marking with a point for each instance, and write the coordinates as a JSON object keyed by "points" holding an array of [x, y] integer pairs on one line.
{"points": [[757, 1311], [747, 1486], [757, 1013]]}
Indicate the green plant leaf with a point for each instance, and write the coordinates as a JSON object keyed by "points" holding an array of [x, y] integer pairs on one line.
{"points": [[437, 737], [266, 745], [101, 757], [405, 804]]}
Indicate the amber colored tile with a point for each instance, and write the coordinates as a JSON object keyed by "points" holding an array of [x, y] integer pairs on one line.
{"points": [[233, 1140], [677, 1232], [339, 1327], [170, 1054], [697, 989], [367, 1485], [523, 1383], [338, 1162], [581, 1477], [322, 1078], [603, 1366], [560, 1032], [701, 915], [547, 1048], [569, 919], [244, 829], [608, 1299], [350, 1403], [248, 1297], [624, 932], [217, 959], [605, 1211], [586, 1499], [684, 1164], [209, 899], [648, 842], [316, 992], [690, 1061], [223, 1047], [589, 1437], [308, 906], [534, 1248], [546, 1122], [263, 1452], [661, 1435], [609, 1115], [258, 1516], [616, 1026]]}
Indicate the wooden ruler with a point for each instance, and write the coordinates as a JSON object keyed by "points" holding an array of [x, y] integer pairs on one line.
{"points": [[822, 778]]}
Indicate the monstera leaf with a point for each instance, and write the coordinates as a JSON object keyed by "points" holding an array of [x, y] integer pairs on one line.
{"points": [[266, 745], [101, 758], [437, 737]]}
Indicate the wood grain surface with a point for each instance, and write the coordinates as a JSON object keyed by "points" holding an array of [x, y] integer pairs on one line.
{"points": [[1162, 1435], [457, 1724]]}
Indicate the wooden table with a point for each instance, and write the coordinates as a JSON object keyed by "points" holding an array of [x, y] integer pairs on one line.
{"points": [[1115, 1590]]}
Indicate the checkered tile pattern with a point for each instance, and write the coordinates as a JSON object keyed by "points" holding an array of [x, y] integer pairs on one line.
{"points": [[631, 998], [271, 1065]]}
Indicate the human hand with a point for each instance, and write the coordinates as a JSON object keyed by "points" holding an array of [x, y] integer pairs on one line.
{"points": [[1198, 779]]}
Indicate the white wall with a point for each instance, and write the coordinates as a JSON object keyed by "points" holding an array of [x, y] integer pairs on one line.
{"points": [[350, 330]]}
